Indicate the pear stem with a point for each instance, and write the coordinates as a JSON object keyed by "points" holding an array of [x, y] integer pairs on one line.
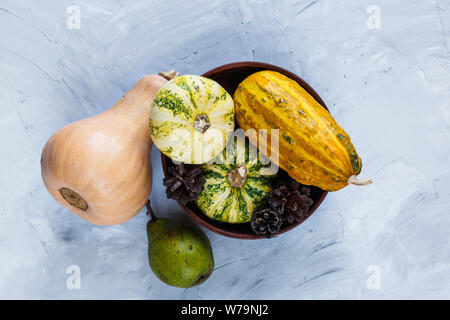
{"points": [[149, 210]]}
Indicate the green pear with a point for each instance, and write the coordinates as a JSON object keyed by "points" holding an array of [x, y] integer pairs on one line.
{"points": [[178, 255]]}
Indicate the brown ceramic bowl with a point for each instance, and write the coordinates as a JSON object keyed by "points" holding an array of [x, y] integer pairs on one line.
{"points": [[229, 76]]}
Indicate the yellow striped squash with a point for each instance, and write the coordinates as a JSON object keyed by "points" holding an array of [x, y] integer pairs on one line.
{"points": [[313, 148], [191, 119]]}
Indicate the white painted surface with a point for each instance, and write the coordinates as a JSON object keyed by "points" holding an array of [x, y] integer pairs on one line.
{"points": [[388, 87]]}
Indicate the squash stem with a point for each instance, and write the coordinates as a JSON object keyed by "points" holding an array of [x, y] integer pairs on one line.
{"points": [[169, 75], [149, 210], [359, 182], [238, 176], [202, 123]]}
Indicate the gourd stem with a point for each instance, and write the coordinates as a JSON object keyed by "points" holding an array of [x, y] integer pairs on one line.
{"points": [[202, 123], [149, 210], [359, 182], [238, 176], [169, 75]]}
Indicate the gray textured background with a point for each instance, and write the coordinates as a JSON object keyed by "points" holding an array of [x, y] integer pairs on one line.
{"points": [[389, 88]]}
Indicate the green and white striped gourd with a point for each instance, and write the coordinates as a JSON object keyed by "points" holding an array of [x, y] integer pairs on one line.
{"points": [[234, 188], [191, 119]]}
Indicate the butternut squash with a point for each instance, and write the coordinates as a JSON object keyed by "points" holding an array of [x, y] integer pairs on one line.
{"points": [[100, 167]]}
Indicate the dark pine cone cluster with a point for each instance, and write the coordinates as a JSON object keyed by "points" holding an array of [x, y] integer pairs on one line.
{"points": [[266, 222], [291, 201], [288, 202], [184, 182]]}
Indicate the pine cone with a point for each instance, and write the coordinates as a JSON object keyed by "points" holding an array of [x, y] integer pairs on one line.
{"points": [[291, 203], [266, 222], [184, 182]]}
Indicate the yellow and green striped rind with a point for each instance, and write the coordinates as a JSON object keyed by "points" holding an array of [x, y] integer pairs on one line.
{"points": [[313, 148], [174, 110], [223, 202]]}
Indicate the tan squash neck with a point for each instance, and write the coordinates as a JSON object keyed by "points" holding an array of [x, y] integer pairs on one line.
{"points": [[134, 101], [138, 100]]}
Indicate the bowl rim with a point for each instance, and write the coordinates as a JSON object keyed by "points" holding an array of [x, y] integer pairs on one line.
{"points": [[317, 203]]}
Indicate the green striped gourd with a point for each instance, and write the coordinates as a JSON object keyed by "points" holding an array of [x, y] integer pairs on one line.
{"points": [[234, 188]]}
